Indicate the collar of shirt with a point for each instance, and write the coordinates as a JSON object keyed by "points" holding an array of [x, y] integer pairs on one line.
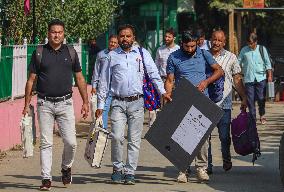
{"points": [[106, 51], [256, 48], [119, 50], [53, 50], [221, 54]]}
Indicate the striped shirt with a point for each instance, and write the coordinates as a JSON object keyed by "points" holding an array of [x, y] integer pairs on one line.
{"points": [[231, 67]]}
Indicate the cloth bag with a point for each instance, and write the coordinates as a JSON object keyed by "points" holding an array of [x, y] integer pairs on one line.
{"points": [[150, 93], [96, 143], [93, 105], [27, 136]]}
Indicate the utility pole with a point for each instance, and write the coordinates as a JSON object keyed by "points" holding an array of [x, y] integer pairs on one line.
{"points": [[34, 22]]}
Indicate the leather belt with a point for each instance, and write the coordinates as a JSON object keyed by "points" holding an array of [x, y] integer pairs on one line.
{"points": [[55, 99], [128, 99]]}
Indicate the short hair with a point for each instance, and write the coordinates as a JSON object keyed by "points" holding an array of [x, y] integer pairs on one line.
{"points": [[171, 31], [252, 37], [112, 36], [200, 33], [188, 36], [126, 26], [55, 22]]}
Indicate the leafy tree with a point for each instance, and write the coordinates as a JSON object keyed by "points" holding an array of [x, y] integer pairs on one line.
{"points": [[83, 18]]}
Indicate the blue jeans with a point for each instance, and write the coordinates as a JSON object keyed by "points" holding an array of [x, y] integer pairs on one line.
{"points": [[224, 136], [132, 113], [106, 110], [256, 91]]}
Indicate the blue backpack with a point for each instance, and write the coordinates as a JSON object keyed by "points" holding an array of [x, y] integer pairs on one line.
{"points": [[215, 89]]}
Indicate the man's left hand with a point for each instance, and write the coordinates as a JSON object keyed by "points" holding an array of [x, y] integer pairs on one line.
{"points": [[202, 86], [244, 104], [85, 110], [167, 97]]}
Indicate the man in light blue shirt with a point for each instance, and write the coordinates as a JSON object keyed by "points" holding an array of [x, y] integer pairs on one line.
{"points": [[122, 77], [102, 58], [256, 69]]}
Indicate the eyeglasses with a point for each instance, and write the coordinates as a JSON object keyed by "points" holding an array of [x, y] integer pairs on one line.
{"points": [[56, 32]]}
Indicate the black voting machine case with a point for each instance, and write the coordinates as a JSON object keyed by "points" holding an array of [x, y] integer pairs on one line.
{"points": [[186, 97]]}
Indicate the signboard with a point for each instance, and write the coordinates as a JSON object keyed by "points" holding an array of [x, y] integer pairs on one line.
{"points": [[183, 125], [253, 4]]}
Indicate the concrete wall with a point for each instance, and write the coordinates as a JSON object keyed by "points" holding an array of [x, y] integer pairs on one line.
{"points": [[11, 114]]}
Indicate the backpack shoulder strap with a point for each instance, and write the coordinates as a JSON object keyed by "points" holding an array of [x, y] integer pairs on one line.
{"points": [[208, 44], [203, 54], [72, 53], [39, 50], [261, 51]]}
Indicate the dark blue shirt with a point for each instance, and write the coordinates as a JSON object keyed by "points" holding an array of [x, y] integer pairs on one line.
{"points": [[182, 65]]}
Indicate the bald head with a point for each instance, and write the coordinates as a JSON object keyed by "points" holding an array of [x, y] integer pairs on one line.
{"points": [[218, 41]]}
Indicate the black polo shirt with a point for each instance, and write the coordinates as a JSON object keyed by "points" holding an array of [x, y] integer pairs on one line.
{"points": [[55, 72]]}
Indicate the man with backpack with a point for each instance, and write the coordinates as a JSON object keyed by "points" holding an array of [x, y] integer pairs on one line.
{"points": [[122, 77], [190, 62], [52, 67], [256, 67], [232, 70]]}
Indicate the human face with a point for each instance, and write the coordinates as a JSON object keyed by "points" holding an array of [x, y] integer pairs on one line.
{"points": [[189, 47], [218, 41], [113, 43], [201, 40], [126, 39], [56, 35], [169, 39], [252, 44]]}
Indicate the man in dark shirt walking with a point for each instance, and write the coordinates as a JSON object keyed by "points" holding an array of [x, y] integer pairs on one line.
{"points": [[54, 71]]}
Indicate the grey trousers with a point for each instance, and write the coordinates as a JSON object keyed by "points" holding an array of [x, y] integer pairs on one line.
{"points": [[63, 113]]}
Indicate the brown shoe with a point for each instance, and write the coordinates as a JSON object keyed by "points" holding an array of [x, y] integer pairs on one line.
{"points": [[45, 185]]}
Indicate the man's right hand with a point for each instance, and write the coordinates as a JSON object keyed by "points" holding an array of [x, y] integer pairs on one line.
{"points": [[98, 113], [94, 91], [25, 110]]}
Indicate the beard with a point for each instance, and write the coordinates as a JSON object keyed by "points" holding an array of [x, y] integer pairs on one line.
{"points": [[188, 53], [125, 45], [168, 43]]}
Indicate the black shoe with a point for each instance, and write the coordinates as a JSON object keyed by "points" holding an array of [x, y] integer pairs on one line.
{"points": [[45, 185], [66, 176], [129, 179], [116, 177], [227, 165], [209, 170]]}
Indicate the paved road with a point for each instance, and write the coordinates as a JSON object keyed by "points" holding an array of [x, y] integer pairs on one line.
{"points": [[155, 173]]}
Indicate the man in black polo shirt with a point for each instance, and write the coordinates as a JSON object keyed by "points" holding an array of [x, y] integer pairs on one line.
{"points": [[54, 71]]}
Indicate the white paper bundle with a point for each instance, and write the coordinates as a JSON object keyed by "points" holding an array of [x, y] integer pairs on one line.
{"points": [[27, 136], [96, 144]]}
